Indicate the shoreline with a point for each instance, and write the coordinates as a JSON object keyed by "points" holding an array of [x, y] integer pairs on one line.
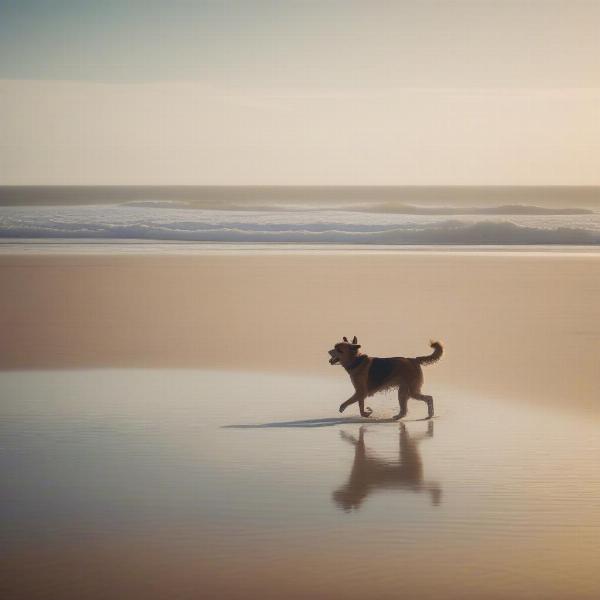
{"points": [[73, 247]]}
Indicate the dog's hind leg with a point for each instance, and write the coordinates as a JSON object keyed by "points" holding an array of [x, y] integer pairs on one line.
{"points": [[428, 399], [403, 396]]}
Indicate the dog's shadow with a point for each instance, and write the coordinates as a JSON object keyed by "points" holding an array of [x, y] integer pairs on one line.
{"points": [[324, 422], [370, 473]]}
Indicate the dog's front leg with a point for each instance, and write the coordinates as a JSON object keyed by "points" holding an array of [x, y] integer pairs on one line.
{"points": [[364, 412], [345, 405], [354, 398], [360, 398]]}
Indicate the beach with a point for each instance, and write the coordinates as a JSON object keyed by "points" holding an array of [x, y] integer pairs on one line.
{"points": [[170, 424], [519, 325]]}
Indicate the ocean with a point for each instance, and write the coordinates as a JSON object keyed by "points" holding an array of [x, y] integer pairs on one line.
{"points": [[304, 215]]}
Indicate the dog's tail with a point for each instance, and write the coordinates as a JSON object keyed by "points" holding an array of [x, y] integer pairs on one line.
{"points": [[438, 350]]}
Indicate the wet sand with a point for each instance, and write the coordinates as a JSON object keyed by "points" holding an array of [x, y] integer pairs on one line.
{"points": [[220, 484], [169, 428]]}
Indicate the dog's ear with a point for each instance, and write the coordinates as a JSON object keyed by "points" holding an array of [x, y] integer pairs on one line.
{"points": [[354, 340], [345, 339], [356, 346]]}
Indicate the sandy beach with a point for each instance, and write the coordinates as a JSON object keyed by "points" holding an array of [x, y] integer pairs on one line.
{"points": [[517, 325], [170, 426]]}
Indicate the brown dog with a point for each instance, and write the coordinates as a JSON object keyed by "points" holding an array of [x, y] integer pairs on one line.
{"points": [[370, 375]]}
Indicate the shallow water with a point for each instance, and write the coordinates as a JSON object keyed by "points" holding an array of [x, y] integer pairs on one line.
{"points": [[187, 484]]}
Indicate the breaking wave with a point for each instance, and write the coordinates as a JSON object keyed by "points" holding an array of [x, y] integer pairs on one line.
{"points": [[163, 220], [392, 208], [505, 209], [448, 232]]}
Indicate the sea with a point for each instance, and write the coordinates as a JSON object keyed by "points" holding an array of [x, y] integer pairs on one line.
{"points": [[394, 215]]}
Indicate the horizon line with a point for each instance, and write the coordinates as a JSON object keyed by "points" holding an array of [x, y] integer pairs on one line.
{"points": [[294, 185]]}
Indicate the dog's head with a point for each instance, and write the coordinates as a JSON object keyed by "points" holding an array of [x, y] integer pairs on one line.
{"points": [[344, 352]]}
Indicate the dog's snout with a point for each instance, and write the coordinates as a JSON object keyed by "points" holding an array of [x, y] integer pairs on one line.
{"points": [[334, 358]]}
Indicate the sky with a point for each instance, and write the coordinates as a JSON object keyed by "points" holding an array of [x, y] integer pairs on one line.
{"points": [[320, 93]]}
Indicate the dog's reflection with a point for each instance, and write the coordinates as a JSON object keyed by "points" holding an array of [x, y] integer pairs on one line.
{"points": [[370, 473]]}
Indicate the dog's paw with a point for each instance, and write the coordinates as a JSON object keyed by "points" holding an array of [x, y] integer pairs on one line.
{"points": [[342, 408], [368, 412]]}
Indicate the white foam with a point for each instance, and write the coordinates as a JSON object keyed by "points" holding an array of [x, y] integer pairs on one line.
{"points": [[148, 221]]}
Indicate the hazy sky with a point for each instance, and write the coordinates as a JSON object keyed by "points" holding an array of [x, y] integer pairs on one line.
{"points": [[283, 92]]}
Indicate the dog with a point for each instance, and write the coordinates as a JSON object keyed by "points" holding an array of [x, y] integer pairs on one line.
{"points": [[370, 375]]}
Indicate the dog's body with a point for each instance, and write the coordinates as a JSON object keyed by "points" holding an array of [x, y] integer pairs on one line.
{"points": [[370, 375]]}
